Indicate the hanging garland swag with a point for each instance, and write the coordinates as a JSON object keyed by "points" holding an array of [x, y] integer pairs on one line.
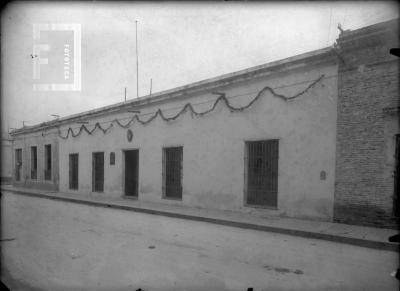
{"points": [[189, 106]]}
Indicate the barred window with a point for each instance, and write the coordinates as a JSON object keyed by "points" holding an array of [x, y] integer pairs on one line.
{"points": [[18, 164], [98, 172], [73, 171], [172, 172], [34, 162], [47, 162], [262, 172]]}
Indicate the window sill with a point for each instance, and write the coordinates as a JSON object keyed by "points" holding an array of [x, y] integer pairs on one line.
{"points": [[261, 206], [172, 198], [130, 197]]}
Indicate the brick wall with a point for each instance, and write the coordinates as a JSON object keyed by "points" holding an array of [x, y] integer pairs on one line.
{"points": [[368, 83]]}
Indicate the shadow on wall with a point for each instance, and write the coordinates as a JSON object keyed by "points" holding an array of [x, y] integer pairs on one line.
{"points": [[370, 215]]}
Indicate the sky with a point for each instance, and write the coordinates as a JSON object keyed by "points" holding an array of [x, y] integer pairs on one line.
{"points": [[178, 43]]}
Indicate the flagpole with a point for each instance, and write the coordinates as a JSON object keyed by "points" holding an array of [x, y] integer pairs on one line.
{"points": [[137, 64], [151, 85]]}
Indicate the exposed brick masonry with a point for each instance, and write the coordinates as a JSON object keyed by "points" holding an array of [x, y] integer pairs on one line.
{"points": [[368, 83]]}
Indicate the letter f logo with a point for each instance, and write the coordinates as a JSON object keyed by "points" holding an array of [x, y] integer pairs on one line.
{"points": [[63, 71], [37, 48], [37, 60]]}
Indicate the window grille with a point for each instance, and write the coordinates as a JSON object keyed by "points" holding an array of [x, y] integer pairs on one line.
{"points": [[73, 171], [47, 162], [172, 172], [98, 172], [34, 162], [18, 164], [262, 173]]}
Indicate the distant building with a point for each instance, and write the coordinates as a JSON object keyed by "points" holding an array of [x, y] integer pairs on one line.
{"points": [[6, 159], [311, 136]]}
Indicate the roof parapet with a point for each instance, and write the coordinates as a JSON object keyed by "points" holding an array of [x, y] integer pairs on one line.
{"points": [[318, 56], [387, 31]]}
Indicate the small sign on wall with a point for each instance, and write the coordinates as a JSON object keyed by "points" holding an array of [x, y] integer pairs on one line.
{"points": [[129, 135], [112, 158]]}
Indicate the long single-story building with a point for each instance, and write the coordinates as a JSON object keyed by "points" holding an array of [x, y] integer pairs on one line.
{"points": [[6, 159], [311, 136]]}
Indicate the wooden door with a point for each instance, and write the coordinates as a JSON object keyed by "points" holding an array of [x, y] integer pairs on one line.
{"points": [[131, 173], [98, 172]]}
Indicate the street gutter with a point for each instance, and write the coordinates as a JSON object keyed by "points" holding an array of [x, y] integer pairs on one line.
{"points": [[387, 246]]}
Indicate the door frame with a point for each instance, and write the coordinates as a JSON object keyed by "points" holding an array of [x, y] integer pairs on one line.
{"points": [[396, 174], [245, 173], [45, 162], [124, 172], [16, 167], [163, 173], [69, 171], [93, 171]]}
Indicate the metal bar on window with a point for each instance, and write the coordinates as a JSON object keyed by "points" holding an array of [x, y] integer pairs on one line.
{"points": [[173, 172]]}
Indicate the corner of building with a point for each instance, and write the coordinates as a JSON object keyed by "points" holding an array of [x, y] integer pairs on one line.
{"points": [[368, 86]]}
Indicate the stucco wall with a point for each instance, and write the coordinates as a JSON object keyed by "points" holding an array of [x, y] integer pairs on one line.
{"points": [[25, 143], [6, 160], [214, 146]]}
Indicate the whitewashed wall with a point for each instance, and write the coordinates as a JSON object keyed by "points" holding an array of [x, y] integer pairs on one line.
{"points": [[214, 146]]}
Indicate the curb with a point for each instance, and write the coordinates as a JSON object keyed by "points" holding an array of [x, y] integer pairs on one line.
{"points": [[387, 246]]}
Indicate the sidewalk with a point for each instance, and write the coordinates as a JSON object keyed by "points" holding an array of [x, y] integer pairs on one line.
{"points": [[370, 237]]}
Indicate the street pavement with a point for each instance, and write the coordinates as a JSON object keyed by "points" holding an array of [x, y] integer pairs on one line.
{"points": [[57, 245]]}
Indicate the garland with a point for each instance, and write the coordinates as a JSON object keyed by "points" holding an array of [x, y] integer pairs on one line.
{"points": [[84, 128], [189, 106]]}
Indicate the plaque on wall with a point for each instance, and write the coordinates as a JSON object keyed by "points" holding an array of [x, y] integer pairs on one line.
{"points": [[112, 158], [129, 135]]}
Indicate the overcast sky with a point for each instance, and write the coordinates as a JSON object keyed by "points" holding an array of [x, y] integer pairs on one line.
{"points": [[179, 43]]}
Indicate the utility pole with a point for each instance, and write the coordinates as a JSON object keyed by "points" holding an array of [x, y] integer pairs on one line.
{"points": [[125, 94], [137, 64]]}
